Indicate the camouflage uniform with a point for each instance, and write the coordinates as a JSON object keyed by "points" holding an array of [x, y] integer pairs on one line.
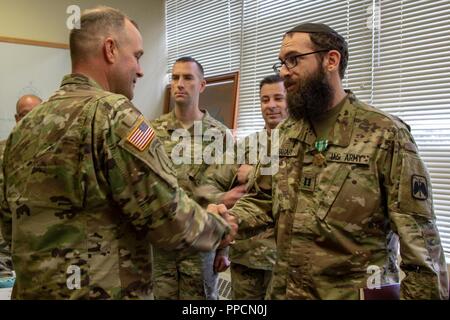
{"points": [[86, 199], [335, 220], [253, 253], [5, 254], [179, 275]]}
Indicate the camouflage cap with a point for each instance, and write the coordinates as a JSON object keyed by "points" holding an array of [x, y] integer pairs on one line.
{"points": [[310, 27]]}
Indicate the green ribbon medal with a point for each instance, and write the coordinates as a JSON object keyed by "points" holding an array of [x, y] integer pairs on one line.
{"points": [[320, 145]]}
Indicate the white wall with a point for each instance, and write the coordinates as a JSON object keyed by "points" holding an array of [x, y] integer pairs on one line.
{"points": [[45, 20]]}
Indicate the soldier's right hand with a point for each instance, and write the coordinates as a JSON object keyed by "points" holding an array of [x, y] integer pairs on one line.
{"points": [[243, 172], [232, 221], [230, 197]]}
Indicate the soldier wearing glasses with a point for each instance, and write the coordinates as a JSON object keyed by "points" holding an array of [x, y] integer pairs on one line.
{"points": [[351, 187]]}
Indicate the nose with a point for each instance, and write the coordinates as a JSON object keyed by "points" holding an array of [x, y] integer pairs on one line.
{"points": [[180, 83], [140, 73], [271, 104], [284, 71]]}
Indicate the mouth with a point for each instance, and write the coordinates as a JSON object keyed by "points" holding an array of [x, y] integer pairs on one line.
{"points": [[289, 85]]}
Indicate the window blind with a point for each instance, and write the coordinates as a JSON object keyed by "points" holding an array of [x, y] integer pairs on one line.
{"points": [[209, 31]]}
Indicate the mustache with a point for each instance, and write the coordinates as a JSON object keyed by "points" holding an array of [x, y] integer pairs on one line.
{"points": [[288, 82]]}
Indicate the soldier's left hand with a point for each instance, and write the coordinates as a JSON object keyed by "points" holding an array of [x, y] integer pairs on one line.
{"points": [[221, 263]]}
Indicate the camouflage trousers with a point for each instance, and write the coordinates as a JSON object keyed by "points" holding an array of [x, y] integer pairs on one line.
{"points": [[248, 283], [178, 276]]}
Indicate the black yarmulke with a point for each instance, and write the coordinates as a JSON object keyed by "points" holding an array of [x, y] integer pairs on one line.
{"points": [[309, 27]]}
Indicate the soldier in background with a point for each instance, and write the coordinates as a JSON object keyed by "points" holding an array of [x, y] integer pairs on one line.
{"points": [[23, 106], [253, 254], [180, 275], [350, 189], [89, 186]]}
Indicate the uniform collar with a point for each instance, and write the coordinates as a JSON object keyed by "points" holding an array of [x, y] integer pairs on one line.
{"points": [[173, 123], [80, 79]]}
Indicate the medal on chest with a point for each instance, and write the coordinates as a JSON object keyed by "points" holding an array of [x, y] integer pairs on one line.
{"points": [[320, 146]]}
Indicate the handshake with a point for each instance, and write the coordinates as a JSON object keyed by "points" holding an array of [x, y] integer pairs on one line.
{"points": [[222, 210]]}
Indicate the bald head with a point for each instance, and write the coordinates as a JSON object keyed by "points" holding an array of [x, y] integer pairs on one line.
{"points": [[25, 104]]}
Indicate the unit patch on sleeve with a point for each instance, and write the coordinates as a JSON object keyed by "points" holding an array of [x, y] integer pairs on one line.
{"points": [[419, 187]]}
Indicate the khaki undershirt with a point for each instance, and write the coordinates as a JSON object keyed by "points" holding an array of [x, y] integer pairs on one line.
{"points": [[325, 122]]}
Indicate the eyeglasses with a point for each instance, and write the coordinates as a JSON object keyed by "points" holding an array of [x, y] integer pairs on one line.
{"points": [[291, 62]]}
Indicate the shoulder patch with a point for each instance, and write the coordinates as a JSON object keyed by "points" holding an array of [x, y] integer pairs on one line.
{"points": [[141, 134], [419, 187]]}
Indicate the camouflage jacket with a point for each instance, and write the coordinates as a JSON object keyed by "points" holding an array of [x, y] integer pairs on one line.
{"points": [[88, 187], [253, 247], [341, 220], [192, 167], [5, 254]]}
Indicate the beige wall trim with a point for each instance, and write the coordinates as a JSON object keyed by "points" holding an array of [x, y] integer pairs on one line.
{"points": [[34, 42]]}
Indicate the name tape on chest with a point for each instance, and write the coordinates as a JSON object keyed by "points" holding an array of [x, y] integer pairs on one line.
{"points": [[353, 158]]}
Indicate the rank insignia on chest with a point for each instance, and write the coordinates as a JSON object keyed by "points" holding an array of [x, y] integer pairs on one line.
{"points": [[419, 187], [308, 182], [141, 135]]}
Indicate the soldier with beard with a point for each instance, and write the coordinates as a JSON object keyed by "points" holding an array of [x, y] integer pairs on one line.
{"points": [[350, 189]]}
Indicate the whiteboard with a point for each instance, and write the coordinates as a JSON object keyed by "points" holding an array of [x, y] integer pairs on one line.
{"points": [[28, 69]]}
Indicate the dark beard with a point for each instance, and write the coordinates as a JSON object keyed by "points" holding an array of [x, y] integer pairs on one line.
{"points": [[312, 97]]}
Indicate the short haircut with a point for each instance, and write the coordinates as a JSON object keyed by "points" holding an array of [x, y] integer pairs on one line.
{"points": [[274, 78], [324, 37], [95, 24], [190, 59]]}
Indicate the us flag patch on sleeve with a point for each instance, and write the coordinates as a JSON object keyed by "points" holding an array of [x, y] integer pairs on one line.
{"points": [[141, 135]]}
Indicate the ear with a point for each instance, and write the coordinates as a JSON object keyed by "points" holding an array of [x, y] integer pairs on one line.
{"points": [[332, 61], [110, 50], [202, 85]]}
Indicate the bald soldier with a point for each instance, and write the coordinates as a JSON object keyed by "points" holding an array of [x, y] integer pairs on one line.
{"points": [[23, 106], [89, 187], [350, 190]]}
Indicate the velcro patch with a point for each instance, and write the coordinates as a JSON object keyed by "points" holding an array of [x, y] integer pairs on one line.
{"points": [[353, 158], [308, 182], [141, 135], [419, 187]]}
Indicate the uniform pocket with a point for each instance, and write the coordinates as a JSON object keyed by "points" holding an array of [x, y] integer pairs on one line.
{"points": [[331, 192]]}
